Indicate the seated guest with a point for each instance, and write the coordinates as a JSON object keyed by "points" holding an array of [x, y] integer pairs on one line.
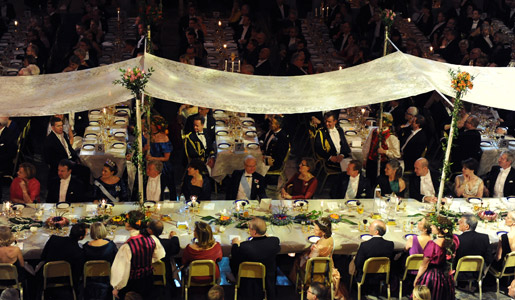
{"points": [[317, 291], [352, 185], [390, 148], [303, 184], [296, 64], [66, 187], [471, 243], [260, 248], [132, 267], [391, 181], [511, 289], [501, 179], [199, 143], [416, 243], [375, 247], [467, 144], [196, 182], [109, 186], [160, 147], [469, 184], [216, 292], [263, 66], [171, 246], [8, 146], [414, 143], [247, 183], [330, 142], [275, 144], [209, 125], [67, 248], [205, 247], [157, 183], [10, 254], [424, 184], [421, 292], [99, 248], [25, 187], [57, 145], [504, 246]]}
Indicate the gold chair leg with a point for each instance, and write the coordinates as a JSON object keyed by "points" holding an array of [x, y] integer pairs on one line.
{"points": [[359, 291], [235, 292], [400, 290], [480, 283], [388, 290], [186, 293], [350, 283], [497, 293]]}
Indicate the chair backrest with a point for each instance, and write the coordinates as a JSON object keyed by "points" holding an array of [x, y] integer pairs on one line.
{"points": [[412, 263], [376, 265], [252, 270], [471, 263], [159, 271], [55, 269], [96, 268], [8, 272], [199, 268], [509, 262], [319, 266]]}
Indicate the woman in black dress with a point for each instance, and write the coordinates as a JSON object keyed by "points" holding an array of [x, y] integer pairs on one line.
{"points": [[196, 183]]}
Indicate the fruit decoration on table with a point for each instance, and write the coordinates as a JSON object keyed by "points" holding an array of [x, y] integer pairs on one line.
{"points": [[57, 222], [487, 215]]}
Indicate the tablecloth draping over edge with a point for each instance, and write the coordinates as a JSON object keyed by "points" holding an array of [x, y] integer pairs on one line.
{"points": [[391, 77]]}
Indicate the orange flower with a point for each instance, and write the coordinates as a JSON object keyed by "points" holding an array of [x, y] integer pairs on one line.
{"points": [[334, 216], [138, 223], [224, 218]]}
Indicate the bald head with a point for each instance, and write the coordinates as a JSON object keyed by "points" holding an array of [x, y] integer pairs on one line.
{"points": [[257, 227], [377, 227], [155, 227], [421, 166]]}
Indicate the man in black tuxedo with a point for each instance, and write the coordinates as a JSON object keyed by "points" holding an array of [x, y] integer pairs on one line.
{"points": [[424, 183], [171, 246], [8, 147], [484, 41], [67, 248], [414, 142], [352, 185], [467, 144], [261, 249], [66, 187], [247, 183], [451, 52], [366, 12], [199, 143], [375, 247], [209, 125], [330, 142], [57, 146], [275, 144], [471, 243], [157, 183], [295, 66], [501, 179], [242, 33], [473, 25], [263, 66]]}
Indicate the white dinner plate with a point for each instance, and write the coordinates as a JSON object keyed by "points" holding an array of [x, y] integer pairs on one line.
{"points": [[351, 132], [251, 133], [352, 202], [474, 200], [253, 146], [247, 123], [91, 135], [94, 123], [95, 112], [224, 146], [485, 144], [88, 147], [119, 134], [62, 205], [407, 236], [499, 233], [222, 132], [313, 239], [218, 112], [118, 146], [365, 237]]}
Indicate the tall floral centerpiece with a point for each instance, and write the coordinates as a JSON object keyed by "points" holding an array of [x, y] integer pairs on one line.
{"points": [[461, 83], [135, 80]]}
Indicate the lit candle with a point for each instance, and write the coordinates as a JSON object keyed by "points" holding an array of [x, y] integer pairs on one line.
{"points": [[327, 12], [225, 46], [431, 49], [118, 10], [322, 12], [103, 200], [409, 20], [158, 206], [220, 23], [232, 66], [225, 68], [16, 23], [8, 205], [105, 111], [322, 204], [340, 67], [362, 111], [239, 66]]}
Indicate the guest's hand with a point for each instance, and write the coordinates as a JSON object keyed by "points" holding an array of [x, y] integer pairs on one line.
{"points": [[23, 185], [333, 159], [236, 240], [381, 151], [430, 199], [314, 120], [339, 158], [172, 234], [115, 293], [211, 162], [149, 157]]}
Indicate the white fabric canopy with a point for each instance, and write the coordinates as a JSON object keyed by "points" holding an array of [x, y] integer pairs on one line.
{"points": [[392, 77]]}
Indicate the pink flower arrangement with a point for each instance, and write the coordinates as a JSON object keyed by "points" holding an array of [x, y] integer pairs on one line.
{"points": [[388, 17], [134, 79]]}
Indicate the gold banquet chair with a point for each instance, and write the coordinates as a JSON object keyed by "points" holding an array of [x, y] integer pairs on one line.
{"points": [[412, 264], [316, 266], [471, 263], [96, 268], [376, 265], [205, 267], [159, 271], [250, 270], [9, 273], [509, 262], [55, 269], [280, 172]]}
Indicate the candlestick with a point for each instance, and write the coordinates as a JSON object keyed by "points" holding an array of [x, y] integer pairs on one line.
{"points": [[158, 206], [232, 66], [340, 67], [316, 12], [239, 66], [327, 11], [118, 11], [225, 68]]}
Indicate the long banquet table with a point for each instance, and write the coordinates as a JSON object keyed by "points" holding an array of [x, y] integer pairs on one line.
{"points": [[293, 238]]}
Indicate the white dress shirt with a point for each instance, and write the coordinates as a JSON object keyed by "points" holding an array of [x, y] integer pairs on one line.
{"points": [[352, 188], [474, 25], [335, 137], [202, 138], [63, 188], [2, 130], [121, 268], [488, 41], [154, 188], [241, 192], [61, 138], [344, 40], [499, 183], [426, 185], [244, 32]]}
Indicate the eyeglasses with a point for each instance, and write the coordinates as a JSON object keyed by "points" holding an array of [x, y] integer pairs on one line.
{"points": [[309, 291]]}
